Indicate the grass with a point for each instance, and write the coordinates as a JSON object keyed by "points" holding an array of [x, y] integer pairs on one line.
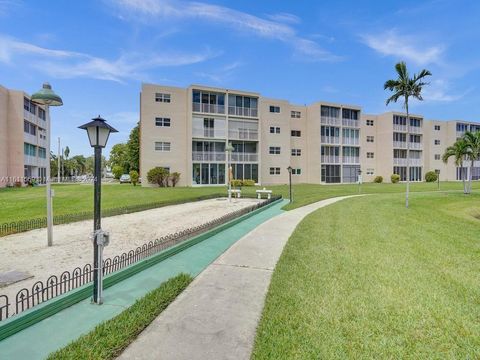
{"points": [[28, 203], [110, 338], [367, 278]]}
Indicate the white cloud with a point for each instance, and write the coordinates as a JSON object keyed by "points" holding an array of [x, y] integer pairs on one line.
{"points": [[285, 18], [220, 75], [441, 91], [7, 5], [70, 64], [276, 28], [403, 47]]}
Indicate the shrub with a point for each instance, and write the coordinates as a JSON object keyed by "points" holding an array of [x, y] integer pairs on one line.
{"points": [[395, 178], [174, 178], [117, 171], [157, 175], [248, 182], [237, 183], [378, 179], [134, 177], [431, 176]]}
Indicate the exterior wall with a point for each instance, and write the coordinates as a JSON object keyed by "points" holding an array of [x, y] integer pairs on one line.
{"points": [[181, 136], [3, 135]]}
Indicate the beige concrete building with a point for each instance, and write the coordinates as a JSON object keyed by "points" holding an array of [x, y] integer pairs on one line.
{"points": [[23, 138], [188, 129]]}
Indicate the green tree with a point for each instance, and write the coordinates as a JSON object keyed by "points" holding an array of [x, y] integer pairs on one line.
{"points": [[134, 177], [119, 157], [405, 87], [133, 148], [459, 150], [117, 171], [473, 143]]}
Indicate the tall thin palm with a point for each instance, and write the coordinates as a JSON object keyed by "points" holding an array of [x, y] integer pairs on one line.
{"points": [[459, 150], [473, 143], [406, 88]]}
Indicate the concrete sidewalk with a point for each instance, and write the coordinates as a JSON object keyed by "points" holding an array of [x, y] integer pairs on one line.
{"points": [[217, 315]]}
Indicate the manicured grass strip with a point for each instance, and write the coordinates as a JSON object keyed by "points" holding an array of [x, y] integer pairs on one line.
{"points": [[366, 278], [110, 338]]}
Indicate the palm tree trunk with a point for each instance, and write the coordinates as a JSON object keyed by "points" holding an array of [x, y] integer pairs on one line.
{"points": [[408, 153], [462, 169], [470, 178]]}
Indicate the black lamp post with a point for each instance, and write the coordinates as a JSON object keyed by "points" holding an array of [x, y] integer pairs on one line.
{"points": [[98, 132], [438, 178], [290, 182]]}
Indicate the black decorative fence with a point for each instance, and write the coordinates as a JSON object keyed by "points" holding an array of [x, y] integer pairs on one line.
{"points": [[69, 280], [31, 224]]}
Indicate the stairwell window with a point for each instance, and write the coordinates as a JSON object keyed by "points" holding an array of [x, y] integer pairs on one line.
{"points": [[274, 171], [274, 150], [369, 122], [164, 146], [296, 152], [274, 130], [295, 114], [370, 155], [274, 109], [437, 156], [437, 142], [296, 171], [296, 133], [162, 122], [370, 139], [162, 97]]}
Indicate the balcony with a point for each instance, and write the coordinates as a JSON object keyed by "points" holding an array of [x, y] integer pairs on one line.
{"points": [[208, 133], [328, 120], [208, 108], [330, 159], [416, 130], [400, 144], [460, 134], [416, 146], [243, 134], [351, 123], [350, 141], [403, 162], [208, 156], [244, 157], [351, 160], [330, 140], [398, 127], [242, 111]]}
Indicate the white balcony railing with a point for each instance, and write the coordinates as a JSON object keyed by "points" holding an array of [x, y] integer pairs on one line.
{"points": [[243, 134], [244, 157], [350, 141], [328, 120], [403, 162], [209, 108], [400, 144], [208, 156], [460, 134], [208, 133], [398, 127], [330, 139], [242, 111], [416, 146], [468, 163], [351, 123], [330, 159], [351, 160], [416, 130]]}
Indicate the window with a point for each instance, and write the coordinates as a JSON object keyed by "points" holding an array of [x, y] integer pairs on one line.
{"points": [[164, 122], [29, 149], [295, 114], [437, 127], [41, 114], [296, 133], [29, 128], [274, 109], [370, 139], [296, 152], [42, 152], [26, 104], [274, 150], [274, 130], [274, 171], [437, 156], [415, 122], [370, 171], [369, 122], [162, 145], [161, 97], [329, 112], [437, 142], [350, 114], [370, 155], [296, 171], [33, 108]]}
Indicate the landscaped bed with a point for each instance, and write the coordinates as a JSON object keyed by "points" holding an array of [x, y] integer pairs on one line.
{"points": [[110, 338], [368, 278]]}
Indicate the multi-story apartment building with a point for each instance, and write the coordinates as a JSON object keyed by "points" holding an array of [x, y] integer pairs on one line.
{"points": [[188, 130], [23, 138]]}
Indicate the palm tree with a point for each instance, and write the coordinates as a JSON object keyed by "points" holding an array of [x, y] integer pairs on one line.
{"points": [[473, 143], [406, 88], [459, 150]]}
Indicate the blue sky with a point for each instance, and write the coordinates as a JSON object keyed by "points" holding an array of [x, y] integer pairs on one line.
{"points": [[96, 54]]}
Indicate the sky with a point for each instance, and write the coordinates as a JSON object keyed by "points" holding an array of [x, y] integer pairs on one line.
{"points": [[96, 54]]}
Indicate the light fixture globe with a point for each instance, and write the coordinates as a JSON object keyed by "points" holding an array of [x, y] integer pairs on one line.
{"points": [[98, 131], [46, 96], [289, 168], [229, 148]]}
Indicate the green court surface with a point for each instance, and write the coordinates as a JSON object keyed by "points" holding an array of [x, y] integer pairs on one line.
{"points": [[53, 333]]}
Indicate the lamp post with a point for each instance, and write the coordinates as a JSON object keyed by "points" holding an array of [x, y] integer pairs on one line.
{"points": [[46, 97], [359, 180], [289, 168], [438, 178], [228, 151], [98, 132]]}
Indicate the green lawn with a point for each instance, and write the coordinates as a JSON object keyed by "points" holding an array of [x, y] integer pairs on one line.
{"points": [[28, 203], [366, 278]]}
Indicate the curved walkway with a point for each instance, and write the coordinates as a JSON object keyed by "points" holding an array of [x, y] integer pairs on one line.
{"points": [[217, 315]]}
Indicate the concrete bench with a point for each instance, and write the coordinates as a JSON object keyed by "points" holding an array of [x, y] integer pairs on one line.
{"points": [[236, 193], [264, 191]]}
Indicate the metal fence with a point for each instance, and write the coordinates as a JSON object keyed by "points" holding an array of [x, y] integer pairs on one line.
{"points": [[69, 280], [38, 223]]}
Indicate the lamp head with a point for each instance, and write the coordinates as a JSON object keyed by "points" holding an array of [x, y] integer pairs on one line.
{"points": [[98, 131], [46, 96]]}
